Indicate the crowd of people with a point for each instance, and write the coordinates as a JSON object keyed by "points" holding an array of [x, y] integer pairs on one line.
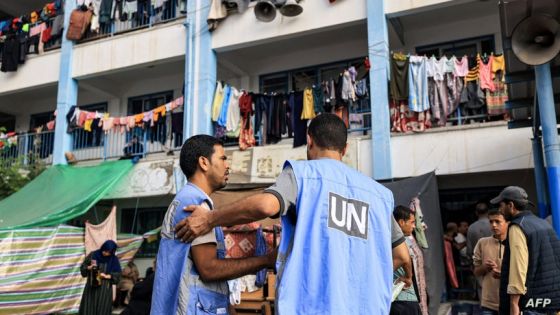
{"points": [[513, 255], [345, 247]]}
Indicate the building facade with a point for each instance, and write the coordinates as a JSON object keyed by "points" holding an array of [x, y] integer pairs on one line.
{"points": [[128, 68]]}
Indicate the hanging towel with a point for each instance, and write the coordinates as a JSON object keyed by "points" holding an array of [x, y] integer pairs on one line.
{"points": [[308, 105], [96, 235], [217, 102]]}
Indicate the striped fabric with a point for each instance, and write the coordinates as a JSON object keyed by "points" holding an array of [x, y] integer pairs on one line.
{"points": [[40, 268]]}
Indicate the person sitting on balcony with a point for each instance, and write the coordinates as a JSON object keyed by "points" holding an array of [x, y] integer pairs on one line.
{"points": [[133, 149]]}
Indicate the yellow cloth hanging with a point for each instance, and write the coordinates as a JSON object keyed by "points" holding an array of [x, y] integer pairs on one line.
{"points": [[217, 103], [499, 64], [87, 125], [308, 109]]}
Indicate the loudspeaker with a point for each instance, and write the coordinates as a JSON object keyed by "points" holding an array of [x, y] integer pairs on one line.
{"points": [[291, 8], [265, 11], [536, 39]]}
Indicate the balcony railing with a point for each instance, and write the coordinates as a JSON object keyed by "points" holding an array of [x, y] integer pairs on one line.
{"points": [[146, 16], [135, 143], [28, 149]]}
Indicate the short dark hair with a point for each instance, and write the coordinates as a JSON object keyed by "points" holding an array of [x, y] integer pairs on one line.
{"points": [[329, 132], [193, 149], [481, 208], [519, 205], [402, 213], [495, 212]]}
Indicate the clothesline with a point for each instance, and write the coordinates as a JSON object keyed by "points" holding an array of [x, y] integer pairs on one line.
{"points": [[85, 119]]}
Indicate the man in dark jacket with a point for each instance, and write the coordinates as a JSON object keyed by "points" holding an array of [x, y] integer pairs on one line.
{"points": [[530, 276]]}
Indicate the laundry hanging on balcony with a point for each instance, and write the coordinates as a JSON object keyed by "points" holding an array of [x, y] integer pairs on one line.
{"points": [[427, 90], [244, 115], [30, 34], [82, 119]]}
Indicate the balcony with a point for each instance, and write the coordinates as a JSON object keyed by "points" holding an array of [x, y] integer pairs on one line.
{"points": [[135, 143], [27, 148], [146, 16]]}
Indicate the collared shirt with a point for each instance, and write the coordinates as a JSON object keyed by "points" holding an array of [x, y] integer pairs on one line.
{"points": [[519, 261], [489, 248]]}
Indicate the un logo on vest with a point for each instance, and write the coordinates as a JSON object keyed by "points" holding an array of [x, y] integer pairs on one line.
{"points": [[348, 215]]}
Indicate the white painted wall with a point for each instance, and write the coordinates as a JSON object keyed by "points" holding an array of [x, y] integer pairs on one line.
{"points": [[239, 30], [402, 7], [476, 149], [38, 70], [449, 28], [142, 47]]}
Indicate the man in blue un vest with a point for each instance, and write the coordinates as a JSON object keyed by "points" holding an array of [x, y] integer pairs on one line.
{"points": [[335, 255], [192, 278]]}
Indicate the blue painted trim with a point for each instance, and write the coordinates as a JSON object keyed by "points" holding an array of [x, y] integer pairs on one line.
{"points": [[200, 71], [378, 51], [545, 96], [67, 94], [540, 178]]}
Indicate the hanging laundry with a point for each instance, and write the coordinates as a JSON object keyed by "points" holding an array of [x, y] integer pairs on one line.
{"points": [[308, 106], [461, 67], [418, 84], [347, 89], [496, 100], [472, 75], [399, 77], [485, 73], [437, 89], [318, 99], [499, 64], [87, 125], [300, 126], [222, 119], [217, 102], [246, 136], [233, 114]]}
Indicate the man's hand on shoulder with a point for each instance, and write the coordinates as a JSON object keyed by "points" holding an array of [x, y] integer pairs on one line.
{"points": [[198, 223]]}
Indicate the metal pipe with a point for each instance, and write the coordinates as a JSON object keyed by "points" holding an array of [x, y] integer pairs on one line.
{"points": [[547, 111], [540, 178]]}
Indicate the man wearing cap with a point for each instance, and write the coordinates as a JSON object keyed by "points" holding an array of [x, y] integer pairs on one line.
{"points": [[530, 275]]}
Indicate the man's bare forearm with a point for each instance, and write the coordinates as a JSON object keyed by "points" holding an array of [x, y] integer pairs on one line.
{"points": [[227, 269], [246, 210]]}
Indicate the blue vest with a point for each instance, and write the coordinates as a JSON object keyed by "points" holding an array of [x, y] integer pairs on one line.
{"points": [[177, 285], [543, 271], [335, 251]]}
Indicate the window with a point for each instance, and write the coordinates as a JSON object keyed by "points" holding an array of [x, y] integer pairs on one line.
{"points": [[299, 79], [8, 122], [469, 47], [143, 103], [41, 144], [84, 139], [41, 119], [146, 220]]}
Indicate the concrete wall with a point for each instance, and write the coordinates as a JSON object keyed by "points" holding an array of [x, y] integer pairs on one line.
{"points": [[143, 47], [241, 30], [37, 71], [472, 149]]}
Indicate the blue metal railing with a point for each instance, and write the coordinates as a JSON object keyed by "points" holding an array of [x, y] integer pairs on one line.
{"points": [[136, 142], [144, 15], [29, 148]]}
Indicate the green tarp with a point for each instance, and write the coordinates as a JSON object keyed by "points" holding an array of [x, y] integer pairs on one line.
{"points": [[60, 193]]}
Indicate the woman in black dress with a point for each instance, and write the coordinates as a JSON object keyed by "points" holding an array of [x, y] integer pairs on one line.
{"points": [[103, 270]]}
